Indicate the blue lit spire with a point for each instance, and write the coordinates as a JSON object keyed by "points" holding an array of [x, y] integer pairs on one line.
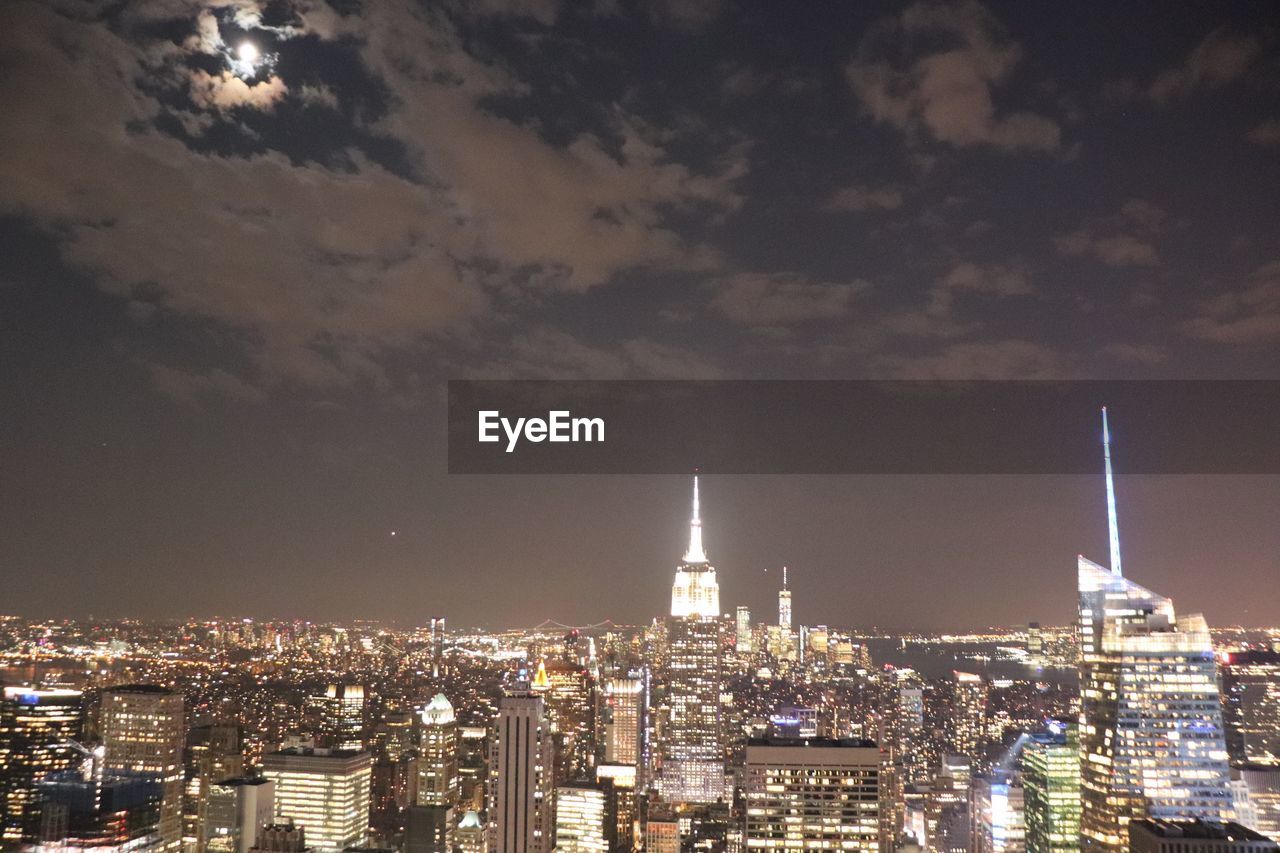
{"points": [[1113, 524]]}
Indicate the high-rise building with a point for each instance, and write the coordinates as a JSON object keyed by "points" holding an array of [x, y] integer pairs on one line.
{"points": [[471, 835], [438, 779], [624, 721], [742, 630], [215, 753], [1151, 736], [36, 727], [812, 794], [430, 821], [901, 724], [946, 812], [784, 604], [1262, 782], [1051, 789], [1195, 836], [1251, 706], [1035, 645], [583, 824], [570, 693], [619, 784], [144, 730], [324, 791], [967, 721], [93, 807], [237, 811], [342, 709], [997, 815], [692, 762], [437, 645], [521, 761]]}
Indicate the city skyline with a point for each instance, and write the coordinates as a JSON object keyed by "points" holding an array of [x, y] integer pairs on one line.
{"points": [[232, 288]]}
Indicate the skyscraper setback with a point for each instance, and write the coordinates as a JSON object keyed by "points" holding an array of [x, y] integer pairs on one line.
{"points": [[692, 758], [1151, 735]]}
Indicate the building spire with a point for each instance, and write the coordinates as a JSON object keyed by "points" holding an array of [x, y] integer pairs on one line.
{"points": [[695, 554], [1113, 525]]}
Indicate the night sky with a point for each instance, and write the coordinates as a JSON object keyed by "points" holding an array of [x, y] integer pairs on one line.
{"points": [[231, 292]]}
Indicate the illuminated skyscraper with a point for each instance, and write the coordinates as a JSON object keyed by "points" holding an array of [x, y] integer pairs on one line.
{"points": [[1151, 737], [815, 794], [968, 715], [237, 811], [569, 691], [438, 780], [996, 809], [144, 730], [624, 724], [1263, 785], [742, 626], [582, 820], [1251, 706], [1035, 645], [326, 792], [521, 759], [343, 710], [437, 645], [1051, 790], [95, 808], [215, 752], [692, 766], [695, 592], [784, 604], [430, 821], [35, 728]]}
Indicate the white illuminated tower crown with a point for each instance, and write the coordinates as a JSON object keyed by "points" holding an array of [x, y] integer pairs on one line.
{"points": [[695, 591]]}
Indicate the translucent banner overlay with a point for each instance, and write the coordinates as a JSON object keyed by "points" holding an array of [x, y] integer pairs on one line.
{"points": [[862, 427]]}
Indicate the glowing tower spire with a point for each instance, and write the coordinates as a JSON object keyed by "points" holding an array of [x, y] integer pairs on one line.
{"points": [[1113, 524], [695, 554], [784, 603]]}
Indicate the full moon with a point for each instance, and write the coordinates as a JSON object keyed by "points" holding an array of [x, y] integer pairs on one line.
{"points": [[247, 53]]}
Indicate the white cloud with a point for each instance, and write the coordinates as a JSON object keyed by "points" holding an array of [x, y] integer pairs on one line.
{"points": [[1220, 58], [958, 55]]}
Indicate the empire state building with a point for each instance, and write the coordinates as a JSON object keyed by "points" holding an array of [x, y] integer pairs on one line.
{"points": [[695, 591], [692, 768]]}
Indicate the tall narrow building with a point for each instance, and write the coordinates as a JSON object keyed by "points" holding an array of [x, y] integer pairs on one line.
{"points": [[624, 721], [521, 765], [784, 604], [692, 764], [1051, 790], [430, 821], [35, 728], [1151, 735], [144, 730]]}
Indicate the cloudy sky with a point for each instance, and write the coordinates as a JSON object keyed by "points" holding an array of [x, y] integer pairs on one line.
{"points": [[231, 290]]}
